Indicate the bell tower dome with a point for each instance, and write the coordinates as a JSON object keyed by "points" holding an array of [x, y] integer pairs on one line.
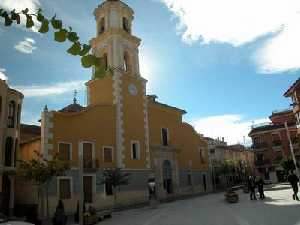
{"points": [[114, 41], [124, 89]]}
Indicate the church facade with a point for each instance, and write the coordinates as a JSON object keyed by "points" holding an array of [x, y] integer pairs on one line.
{"points": [[122, 127]]}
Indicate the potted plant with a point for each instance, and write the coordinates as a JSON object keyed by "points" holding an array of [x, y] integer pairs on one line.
{"points": [[231, 196]]}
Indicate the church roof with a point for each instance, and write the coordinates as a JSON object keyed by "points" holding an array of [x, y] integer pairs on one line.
{"points": [[72, 108]]}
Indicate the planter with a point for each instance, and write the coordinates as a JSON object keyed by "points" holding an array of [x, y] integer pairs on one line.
{"points": [[231, 197]]}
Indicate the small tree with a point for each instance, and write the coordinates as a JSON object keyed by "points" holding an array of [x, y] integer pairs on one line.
{"points": [[288, 164], [40, 171], [116, 178]]}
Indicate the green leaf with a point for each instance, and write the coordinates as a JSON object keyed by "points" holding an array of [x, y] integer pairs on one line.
{"points": [[75, 49], [73, 37], [25, 11], [44, 27], [40, 16], [85, 50], [56, 24], [61, 35], [87, 61], [16, 17], [29, 22], [8, 20], [99, 72]]}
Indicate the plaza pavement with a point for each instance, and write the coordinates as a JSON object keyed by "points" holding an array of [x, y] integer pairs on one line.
{"points": [[277, 209]]}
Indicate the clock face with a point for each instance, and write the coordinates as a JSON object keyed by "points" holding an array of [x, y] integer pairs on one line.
{"points": [[132, 89]]}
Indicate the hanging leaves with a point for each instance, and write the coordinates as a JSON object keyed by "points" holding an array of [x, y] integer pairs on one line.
{"points": [[75, 49], [56, 24], [60, 35], [29, 22], [44, 26]]}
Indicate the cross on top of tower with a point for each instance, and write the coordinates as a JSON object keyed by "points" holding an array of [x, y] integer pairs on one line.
{"points": [[75, 97]]}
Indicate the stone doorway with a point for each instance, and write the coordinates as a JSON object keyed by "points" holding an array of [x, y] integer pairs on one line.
{"points": [[167, 177], [6, 186]]}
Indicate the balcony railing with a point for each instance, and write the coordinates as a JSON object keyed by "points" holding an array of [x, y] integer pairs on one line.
{"points": [[91, 164], [259, 146], [262, 162], [276, 143]]}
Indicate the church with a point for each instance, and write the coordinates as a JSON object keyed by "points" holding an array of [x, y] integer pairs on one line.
{"points": [[120, 127]]}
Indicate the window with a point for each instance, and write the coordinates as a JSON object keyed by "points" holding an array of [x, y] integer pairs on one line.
{"points": [[107, 154], [101, 26], [212, 151], [135, 150], [64, 151], [189, 179], [126, 62], [16, 153], [201, 154], [105, 63], [18, 115], [11, 114], [8, 151], [165, 136], [0, 107], [64, 188], [126, 24], [108, 187]]}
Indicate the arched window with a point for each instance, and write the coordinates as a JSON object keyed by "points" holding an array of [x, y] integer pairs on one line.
{"points": [[105, 62], [11, 114], [16, 153], [0, 107], [8, 152], [18, 115], [102, 26], [126, 26], [126, 62]]}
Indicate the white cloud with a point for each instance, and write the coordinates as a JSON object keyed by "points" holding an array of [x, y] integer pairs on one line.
{"points": [[26, 46], [238, 22], [51, 89], [232, 127], [19, 5], [2, 74]]}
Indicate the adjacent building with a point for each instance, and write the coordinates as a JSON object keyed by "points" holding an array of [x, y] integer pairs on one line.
{"points": [[10, 111], [271, 144], [238, 157], [121, 126]]}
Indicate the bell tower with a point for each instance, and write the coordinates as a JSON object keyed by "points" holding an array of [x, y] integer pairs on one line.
{"points": [[125, 88]]}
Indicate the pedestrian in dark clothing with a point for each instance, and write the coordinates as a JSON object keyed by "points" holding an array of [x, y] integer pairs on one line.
{"points": [[260, 185], [293, 180], [251, 185], [60, 217]]}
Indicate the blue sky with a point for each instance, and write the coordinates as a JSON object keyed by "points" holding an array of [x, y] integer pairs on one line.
{"points": [[225, 64]]}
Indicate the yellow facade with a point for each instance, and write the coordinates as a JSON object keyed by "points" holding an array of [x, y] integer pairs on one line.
{"points": [[147, 138]]}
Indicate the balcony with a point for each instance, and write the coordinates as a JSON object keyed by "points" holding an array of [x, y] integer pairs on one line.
{"points": [[90, 165], [262, 162], [277, 145], [260, 146]]}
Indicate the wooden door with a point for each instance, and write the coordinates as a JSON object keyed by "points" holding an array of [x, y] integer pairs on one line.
{"points": [[87, 155], [88, 189]]}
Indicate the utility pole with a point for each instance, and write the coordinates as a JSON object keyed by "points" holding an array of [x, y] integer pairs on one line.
{"points": [[291, 147], [81, 200]]}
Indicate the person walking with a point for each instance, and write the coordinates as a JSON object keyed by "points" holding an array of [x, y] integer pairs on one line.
{"points": [[293, 180], [251, 185], [260, 186], [60, 217]]}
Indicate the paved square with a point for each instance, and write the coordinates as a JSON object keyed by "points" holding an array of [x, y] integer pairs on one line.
{"points": [[277, 209]]}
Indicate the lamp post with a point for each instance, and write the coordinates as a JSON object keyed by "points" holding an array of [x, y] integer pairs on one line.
{"points": [[292, 148]]}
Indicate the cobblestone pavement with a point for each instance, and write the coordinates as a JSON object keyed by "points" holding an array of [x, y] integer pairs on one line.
{"points": [[277, 209]]}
